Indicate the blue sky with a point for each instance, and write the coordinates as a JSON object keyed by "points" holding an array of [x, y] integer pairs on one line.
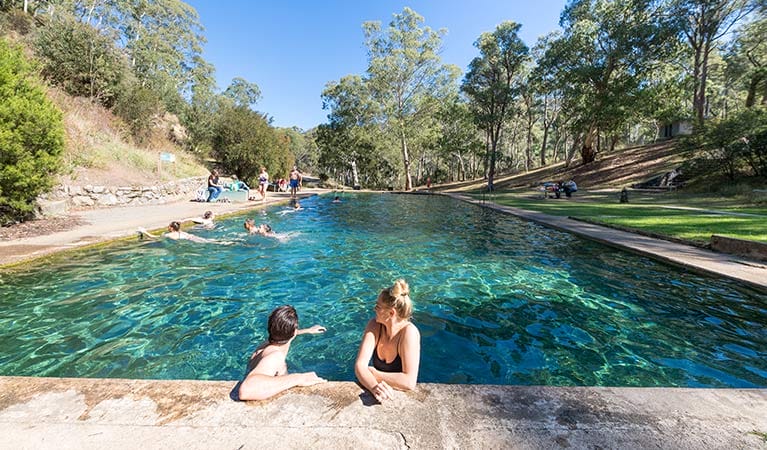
{"points": [[291, 49]]}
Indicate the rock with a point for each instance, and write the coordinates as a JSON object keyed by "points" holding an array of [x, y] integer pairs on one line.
{"points": [[82, 200], [48, 208], [107, 200]]}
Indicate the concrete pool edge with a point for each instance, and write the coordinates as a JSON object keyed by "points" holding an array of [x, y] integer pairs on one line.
{"points": [[119, 413], [109, 225], [689, 257]]}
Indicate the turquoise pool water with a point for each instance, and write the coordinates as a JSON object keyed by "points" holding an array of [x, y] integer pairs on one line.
{"points": [[497, 300]]}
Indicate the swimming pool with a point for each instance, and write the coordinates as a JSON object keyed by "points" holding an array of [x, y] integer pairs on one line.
{"points": [[497, 300]]}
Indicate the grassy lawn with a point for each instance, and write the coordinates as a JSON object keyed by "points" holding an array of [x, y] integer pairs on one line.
{"points": [[652, 213]]}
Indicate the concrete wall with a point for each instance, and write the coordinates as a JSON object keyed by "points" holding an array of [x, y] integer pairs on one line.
{"points": [[749, 249]]}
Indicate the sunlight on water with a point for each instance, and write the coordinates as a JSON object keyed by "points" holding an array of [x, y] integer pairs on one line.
{"points": [[497, 300]]}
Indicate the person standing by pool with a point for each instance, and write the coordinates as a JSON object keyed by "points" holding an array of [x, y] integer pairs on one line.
{"points": [[394, 344], [295, 181], [267, 371], [263, 183], [214, 189]]}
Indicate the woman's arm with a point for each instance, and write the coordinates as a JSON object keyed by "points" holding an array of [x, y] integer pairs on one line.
{"points": [[410, 352], [143, 232], [380, 389]]}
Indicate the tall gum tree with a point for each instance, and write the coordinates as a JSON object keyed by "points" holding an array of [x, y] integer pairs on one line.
{"points": [[703, 23], [599, 62], [404, 71], [490, 86]]}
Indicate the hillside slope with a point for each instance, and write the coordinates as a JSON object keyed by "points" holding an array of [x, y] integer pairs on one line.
{"points": [[617, 169], [99, 150]]}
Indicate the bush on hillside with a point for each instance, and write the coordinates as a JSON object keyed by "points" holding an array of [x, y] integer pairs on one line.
{"points": [[31, 137], [244, 141], [139, 107], [733, 147], [16, 20], [82, 61]]}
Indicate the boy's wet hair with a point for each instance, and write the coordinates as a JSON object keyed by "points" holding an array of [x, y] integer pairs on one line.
{"points": [[175, 225], [283, 323]]}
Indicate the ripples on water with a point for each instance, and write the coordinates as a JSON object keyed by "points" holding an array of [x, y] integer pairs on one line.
{"points": [[497, 300]]}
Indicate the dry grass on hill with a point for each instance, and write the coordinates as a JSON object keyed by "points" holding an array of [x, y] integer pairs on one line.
{"points": [[99, 152], [611, 170]]}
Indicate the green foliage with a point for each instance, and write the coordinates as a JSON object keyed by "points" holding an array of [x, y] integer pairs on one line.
{"points": [[492, 82], [81, 60], [138, 107], [31, 137], [243, 93], [404, 72], [244, 141], [734, 146], [302, 146]]}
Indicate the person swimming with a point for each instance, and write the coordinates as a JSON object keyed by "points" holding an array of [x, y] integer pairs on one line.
{"points": [[262, 229], [174, 232]]}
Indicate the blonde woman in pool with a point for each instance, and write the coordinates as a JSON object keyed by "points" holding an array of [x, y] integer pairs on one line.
{"points": [[393, 343]]}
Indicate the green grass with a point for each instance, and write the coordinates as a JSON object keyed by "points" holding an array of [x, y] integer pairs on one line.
{"points": [[652, 214]]}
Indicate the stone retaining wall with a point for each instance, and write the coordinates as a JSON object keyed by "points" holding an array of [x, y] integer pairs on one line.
{"points": [[749, 249], [105, 196]]}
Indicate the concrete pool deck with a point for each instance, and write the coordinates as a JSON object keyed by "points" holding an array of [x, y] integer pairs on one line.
{"points": [[62, 413], [753, 273], [65, 413]]}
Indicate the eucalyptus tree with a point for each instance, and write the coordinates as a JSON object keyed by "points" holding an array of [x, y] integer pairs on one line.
{"points": [[550, 97], [199, 116], [600, 61], [243, 93], [404, 69], [747, 60], [352, 140], [460, 143], [703, 23], [490, 86]]}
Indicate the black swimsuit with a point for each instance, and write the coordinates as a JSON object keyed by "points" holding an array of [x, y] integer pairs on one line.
{"points": [[380, 364]]}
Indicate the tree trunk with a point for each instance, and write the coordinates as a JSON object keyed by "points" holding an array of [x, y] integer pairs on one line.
{"points": [[543, 145], [753, 86], [355, 176], [571, 154], [406, 160], [588, 153]]}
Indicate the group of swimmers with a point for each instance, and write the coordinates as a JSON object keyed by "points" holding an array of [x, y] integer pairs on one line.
{"points": [[390, 340]]}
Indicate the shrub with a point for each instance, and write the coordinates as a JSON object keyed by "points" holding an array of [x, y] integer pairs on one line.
{"points": [[31, 137], [82, 61], [244, 141], [17, 21], [138, 107], [735, 146]]}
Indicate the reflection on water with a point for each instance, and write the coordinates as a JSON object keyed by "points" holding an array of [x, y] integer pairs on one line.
{"points": [[497, 300]]}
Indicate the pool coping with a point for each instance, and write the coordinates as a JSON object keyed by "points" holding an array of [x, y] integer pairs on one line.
{"points": [[704, 261], [63, 413]]}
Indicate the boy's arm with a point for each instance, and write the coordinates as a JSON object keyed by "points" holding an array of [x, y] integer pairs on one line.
{"points": [[262, 383], [315, 329]]}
